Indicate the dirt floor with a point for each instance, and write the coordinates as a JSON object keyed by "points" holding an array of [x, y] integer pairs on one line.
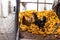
{"points": [[26, 35]]}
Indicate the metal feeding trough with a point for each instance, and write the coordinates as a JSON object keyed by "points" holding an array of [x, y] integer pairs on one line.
{"points": [[29, 36]]}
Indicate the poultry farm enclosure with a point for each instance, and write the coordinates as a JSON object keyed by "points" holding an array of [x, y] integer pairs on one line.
{"points": [[36, 24]]}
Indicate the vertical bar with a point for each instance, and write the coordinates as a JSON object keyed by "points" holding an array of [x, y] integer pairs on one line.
{"points": [[17, 11], [16, 15], [44, 5], [37, 4], [58, 1]]}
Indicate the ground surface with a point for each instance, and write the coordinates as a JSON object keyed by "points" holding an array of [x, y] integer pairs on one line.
{"points": [[30, 36]]}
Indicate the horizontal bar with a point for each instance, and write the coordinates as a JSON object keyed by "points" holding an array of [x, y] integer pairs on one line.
{"points": [[38, 2]]}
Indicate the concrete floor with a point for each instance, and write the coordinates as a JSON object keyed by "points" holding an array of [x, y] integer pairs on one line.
{"points": [[7, 28]]}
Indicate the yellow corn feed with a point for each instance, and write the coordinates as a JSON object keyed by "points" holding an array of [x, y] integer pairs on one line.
{"points": [[52, 20]]}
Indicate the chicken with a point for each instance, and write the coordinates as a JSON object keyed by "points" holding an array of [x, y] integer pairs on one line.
{"points": [[38, 22], [25, 22]]}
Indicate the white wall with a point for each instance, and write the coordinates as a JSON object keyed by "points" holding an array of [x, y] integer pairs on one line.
{"points": [[4, 8]]}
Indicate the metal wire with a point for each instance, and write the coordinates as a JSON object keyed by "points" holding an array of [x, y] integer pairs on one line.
{"points": [[54, 30]]}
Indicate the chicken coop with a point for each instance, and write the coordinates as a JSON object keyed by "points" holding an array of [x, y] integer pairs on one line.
{"points": [[38, 19]]}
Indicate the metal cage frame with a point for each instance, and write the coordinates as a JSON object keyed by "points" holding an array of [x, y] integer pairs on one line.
{"points": [[18, 10]]}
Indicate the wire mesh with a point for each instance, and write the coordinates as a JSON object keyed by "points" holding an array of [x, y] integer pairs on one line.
{"points": [[7, 28]]}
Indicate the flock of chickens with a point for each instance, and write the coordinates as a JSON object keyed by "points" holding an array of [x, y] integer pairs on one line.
{"points": [[37, 22]]}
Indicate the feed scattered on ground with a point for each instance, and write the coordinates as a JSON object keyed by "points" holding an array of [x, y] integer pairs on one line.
{"points": [[36, 22]]}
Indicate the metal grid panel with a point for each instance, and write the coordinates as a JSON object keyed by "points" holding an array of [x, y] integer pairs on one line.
{"points": [[38, 2], [28, 1], [7, 28]]}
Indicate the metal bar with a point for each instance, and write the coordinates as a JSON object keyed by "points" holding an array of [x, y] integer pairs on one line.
{"points": [[17, 37], [17, 13], [54, 30], [44, 5], [29, 2], [38, 2], [56, 27]]}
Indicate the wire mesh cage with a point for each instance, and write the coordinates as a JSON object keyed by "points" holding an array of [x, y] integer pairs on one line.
{"points": [[7, 21], [7, 28], [38, 5]]}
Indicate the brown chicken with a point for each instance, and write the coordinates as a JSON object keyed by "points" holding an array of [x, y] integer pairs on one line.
{"points": [[25, 22]]}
